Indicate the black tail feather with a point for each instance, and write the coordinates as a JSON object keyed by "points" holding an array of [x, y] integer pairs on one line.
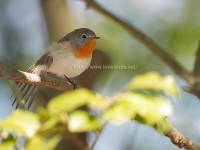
{"points": [[28, 93], [32, 96]]}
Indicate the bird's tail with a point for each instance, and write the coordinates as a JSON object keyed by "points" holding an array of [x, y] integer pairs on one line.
{"points": [[28, 93]]}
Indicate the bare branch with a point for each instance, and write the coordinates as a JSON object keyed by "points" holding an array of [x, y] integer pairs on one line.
{"points": [[76, 140], [196, 70], [146, 41], [181, 140], [50, 80], [98, 136]]}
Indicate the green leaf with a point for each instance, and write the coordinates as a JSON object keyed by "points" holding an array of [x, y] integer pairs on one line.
{"points": [[43, 113], [7, 145], [81, 121], [119, 112], [70, 101], [151, 109], [98, 102], [51, 122], [7, 140], [42, 143], [21, 123], [153, 81], [126, 106]]}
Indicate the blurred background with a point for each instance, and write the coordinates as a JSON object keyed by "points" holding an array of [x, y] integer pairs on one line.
{"points": [[27, 27]]}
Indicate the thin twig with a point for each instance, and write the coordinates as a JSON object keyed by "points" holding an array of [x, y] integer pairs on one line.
{"points": [[98, 136], [181, 140], [146, 41], [196, 70], [77, 141], [195, 87], [95, 140]]}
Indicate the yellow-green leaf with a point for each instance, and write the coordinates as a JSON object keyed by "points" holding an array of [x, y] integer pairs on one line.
{"points": [[42, 143], [69, 101], [153, 81], [72, 100], [22, 123], [51, 122], [7, 145], [119, 112], [81, 121], [127, 106]]}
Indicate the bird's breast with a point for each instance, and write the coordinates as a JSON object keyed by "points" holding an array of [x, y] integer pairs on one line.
{"points": [[69, 65]]}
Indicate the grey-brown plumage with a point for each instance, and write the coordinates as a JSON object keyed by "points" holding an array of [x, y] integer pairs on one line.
{"points": [[27, 91]]}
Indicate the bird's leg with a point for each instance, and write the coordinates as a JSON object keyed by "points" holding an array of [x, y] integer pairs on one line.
{"points": [[71, 82]]}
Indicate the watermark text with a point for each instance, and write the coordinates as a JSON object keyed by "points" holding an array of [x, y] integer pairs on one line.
{"points": [[108, 67]]}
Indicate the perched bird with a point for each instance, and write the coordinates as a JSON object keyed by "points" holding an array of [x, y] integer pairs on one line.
{"points": [[68, 57]]}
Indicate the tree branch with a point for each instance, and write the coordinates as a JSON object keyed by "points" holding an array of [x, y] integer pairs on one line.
{"points": [[195, 87], [77, 141], [181, 140], [146, 41], [50, 80], [196, 70]]}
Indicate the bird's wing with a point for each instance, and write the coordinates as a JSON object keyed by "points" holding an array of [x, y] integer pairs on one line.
{"points": [[27, 91]]}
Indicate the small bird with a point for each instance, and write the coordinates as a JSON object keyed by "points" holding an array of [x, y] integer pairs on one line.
{"points": [[68, 57]]}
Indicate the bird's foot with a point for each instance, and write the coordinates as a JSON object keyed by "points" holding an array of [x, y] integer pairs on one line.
{"points": [[71, 82]]}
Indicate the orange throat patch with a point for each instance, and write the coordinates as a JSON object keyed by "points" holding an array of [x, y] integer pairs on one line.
{"points": [[86, 50]]}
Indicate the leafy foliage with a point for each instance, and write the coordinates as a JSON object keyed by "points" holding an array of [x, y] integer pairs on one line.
{"points": [[142, 101], [22, 123], [80, 121], [153, 81]]}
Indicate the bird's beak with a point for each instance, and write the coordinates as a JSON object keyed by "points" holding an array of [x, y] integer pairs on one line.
{"points": [[95, 37]]}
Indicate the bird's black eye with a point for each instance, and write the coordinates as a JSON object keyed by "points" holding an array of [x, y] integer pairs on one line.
{"points": [[84, 36]]}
